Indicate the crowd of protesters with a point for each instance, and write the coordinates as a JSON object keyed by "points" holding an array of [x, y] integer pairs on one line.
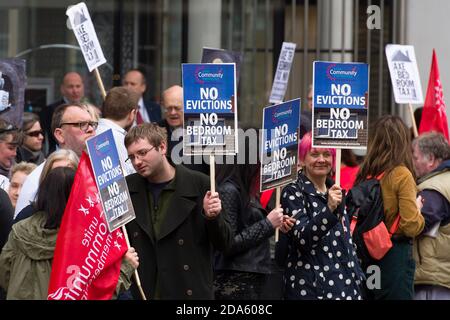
{"points": [[188, 242]]}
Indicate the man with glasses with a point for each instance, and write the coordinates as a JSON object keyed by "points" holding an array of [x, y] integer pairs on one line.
{"points": [[178, 221], [8, 149], [72, 125]]}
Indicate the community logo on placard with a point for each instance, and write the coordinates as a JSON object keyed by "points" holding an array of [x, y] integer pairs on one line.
{"points": [[204, 74], [102, 148], [341, 72], [282, 113]]}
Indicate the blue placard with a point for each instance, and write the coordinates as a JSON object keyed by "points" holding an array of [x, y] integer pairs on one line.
{"points": [[110, 180], [340, 104], [280, 144], [210, 113]]}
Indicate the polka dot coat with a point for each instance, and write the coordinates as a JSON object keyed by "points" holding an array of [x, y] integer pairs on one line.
{"points": [[322, 262]]}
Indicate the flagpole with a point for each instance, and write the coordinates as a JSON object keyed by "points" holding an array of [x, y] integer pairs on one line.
{"points": [[413, 120], [136, 275]]}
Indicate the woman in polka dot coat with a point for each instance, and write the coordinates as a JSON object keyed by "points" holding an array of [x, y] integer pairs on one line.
{"points": [[321, 261]]}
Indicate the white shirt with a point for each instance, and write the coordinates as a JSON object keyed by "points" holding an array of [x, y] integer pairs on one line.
{"points": [[143, 111], [29, 189], [119, 138]]}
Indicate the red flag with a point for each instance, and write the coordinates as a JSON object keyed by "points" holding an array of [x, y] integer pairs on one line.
{"points": [[87, 259], [434, 117]]}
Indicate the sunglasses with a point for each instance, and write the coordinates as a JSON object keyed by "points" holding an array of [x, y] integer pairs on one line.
{"points": [[35, 133]]}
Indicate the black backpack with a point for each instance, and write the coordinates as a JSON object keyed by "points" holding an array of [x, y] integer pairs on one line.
{"points": [[364, 205]]}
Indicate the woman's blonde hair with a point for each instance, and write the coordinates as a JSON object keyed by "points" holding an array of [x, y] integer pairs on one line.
{"points": [[58, 155], [23, 166]]}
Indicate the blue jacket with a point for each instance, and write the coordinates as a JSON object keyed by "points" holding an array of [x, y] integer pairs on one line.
{"points": [[321, 261]]}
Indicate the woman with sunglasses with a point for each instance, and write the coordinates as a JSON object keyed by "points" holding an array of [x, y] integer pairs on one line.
{"points": [[30, 148]]}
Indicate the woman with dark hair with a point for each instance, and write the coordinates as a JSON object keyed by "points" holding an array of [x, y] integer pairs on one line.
{"points": [[32, 138], [26, 259], [243, 270], [389, 154]]}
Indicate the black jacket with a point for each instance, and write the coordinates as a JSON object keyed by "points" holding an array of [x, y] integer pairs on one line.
{"points": [[153, 110], [250, 248], [6, 217], [182, 255], [23, 154]]}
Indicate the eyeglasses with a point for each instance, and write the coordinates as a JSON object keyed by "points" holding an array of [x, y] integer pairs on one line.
{"points": [[84, 125], [35, 133], [139, 154], [9, 127]]}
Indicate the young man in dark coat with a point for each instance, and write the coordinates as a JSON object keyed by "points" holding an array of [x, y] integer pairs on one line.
{"points": [[178, 221]]}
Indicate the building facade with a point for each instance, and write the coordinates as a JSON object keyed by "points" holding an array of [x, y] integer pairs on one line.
{"points": [[158, 35]]}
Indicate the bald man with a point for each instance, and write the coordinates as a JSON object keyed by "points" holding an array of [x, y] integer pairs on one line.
{"points": [[72, 91], [172, 107]]}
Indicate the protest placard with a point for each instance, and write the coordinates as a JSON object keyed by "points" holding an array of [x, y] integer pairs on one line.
{"points": [[12, 90], [404, 74], [210, 112], [110, 179], [340, 105], [279, 150], [281, 78], [84, 31], [213, 55]]}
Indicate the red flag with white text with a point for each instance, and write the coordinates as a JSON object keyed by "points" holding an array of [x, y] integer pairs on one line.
{"points": [[434, 117], [87, 259]]}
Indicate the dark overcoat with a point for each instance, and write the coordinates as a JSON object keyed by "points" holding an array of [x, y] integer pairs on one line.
{"points": [[182, 254]]}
